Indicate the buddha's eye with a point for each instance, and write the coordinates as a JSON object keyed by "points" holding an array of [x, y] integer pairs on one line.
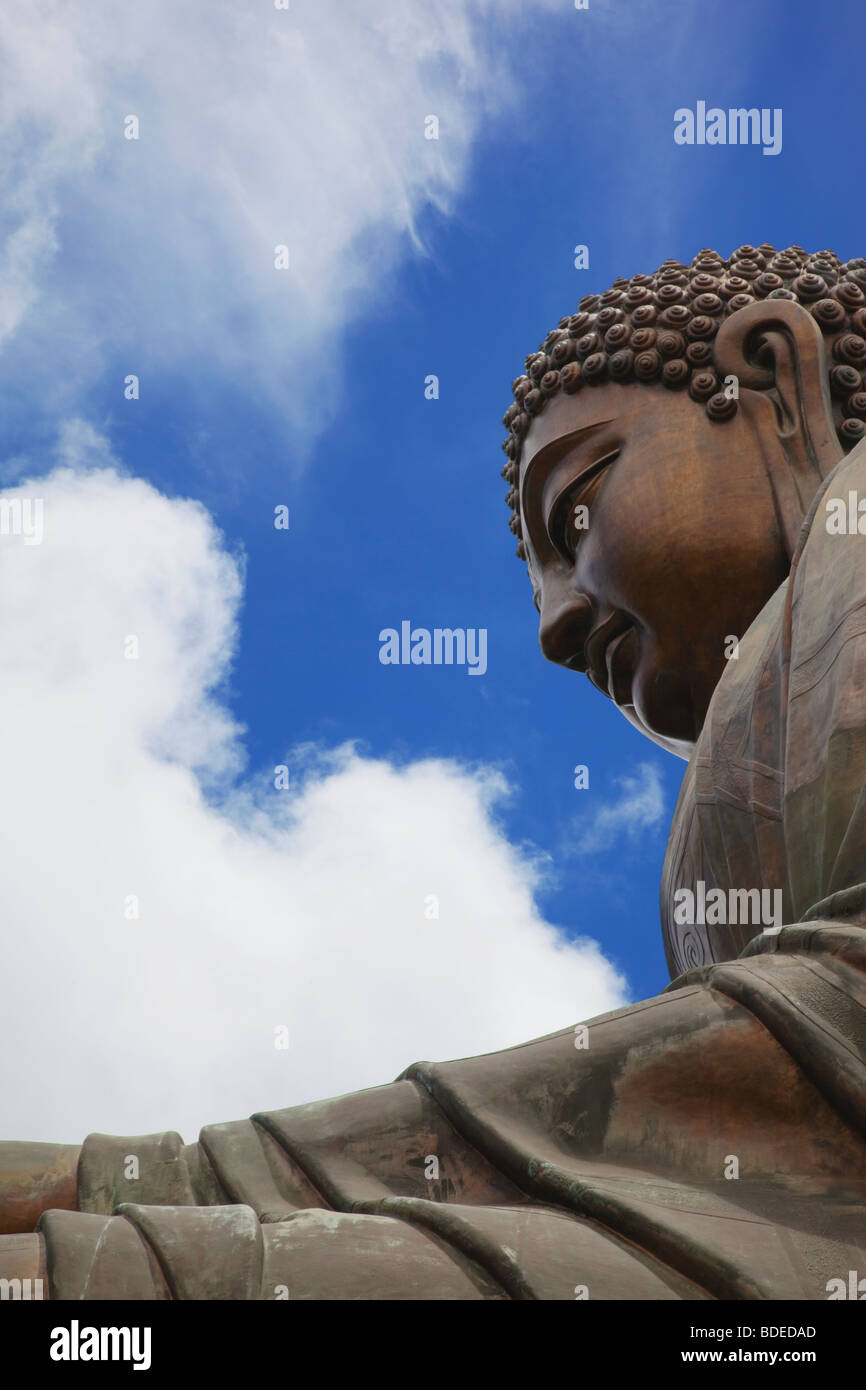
{"points": [[571, 512]]}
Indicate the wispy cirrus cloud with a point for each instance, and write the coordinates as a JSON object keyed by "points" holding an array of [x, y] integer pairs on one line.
{"points": [[258, 127], [637, 807]]}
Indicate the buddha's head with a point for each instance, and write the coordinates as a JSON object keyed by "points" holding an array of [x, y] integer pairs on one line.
{"points": [[664, 448]]}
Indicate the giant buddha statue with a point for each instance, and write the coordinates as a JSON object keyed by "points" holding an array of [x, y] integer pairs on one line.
{"points": [[685, 460]]}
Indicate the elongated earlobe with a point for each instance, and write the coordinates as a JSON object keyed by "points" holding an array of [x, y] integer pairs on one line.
{"points": [[775, 352]]}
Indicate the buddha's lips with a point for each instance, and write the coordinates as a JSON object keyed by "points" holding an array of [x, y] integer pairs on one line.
{"points": [[620, 657], [610, 658]]}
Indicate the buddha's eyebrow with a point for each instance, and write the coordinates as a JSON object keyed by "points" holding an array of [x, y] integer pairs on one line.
{"points": [[545, 459]]}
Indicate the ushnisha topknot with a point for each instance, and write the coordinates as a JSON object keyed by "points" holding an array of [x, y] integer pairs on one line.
{"points": [[661, 327]]}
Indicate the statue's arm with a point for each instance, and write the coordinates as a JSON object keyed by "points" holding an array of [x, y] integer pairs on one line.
{"points": [[35, 1178]]}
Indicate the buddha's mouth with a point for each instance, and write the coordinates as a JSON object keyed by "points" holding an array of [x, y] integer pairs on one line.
{"points": [[611, 655]]}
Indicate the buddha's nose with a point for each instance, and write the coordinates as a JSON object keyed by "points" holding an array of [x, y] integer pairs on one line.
{"points": [[566, 619]]}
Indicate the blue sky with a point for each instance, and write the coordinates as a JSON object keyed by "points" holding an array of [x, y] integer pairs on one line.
{"points": [[557, 129]]}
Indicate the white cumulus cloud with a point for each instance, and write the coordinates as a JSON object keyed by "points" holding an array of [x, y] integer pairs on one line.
{"points": [[166, 911]]}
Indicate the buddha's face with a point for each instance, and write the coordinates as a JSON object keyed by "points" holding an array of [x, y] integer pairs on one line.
{"points": [[676, 550]]}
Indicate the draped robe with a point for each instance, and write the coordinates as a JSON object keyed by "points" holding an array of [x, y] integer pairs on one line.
{"points": [[706, 1143]]}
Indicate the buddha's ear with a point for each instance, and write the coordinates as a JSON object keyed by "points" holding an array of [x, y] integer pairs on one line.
{"points": [[776, 349]]}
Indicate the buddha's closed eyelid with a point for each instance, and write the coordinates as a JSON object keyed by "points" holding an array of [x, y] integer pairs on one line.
{"points": [[565, 526]]}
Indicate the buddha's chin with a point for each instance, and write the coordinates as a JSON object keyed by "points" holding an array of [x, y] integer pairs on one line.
{"points": [[662, 704]]}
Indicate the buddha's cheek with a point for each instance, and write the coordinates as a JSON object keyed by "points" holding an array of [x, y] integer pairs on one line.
{"points": [[626, 561]]}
